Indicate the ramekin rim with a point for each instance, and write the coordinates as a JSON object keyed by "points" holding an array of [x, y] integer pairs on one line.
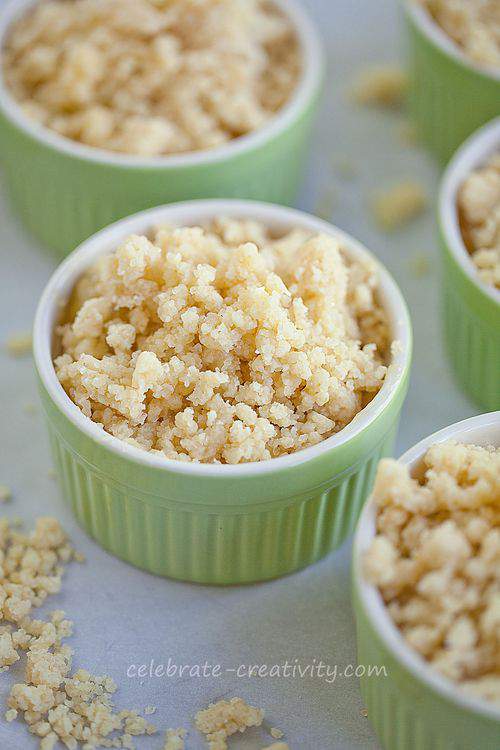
{"points": [[468, 157], [371, 599], [71, 268], [307, 87], [423, 19]]}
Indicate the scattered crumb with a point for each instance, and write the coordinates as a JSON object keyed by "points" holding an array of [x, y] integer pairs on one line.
{"points": [[52, 474], [30, 408], [174, 739], [364, 712], [19, 344], [276, 733], [326, 204], [380, 86], [277, 746], [420, 265], [150, 710], [344, 167], [474, 25], [435, 560], [5, 493], [396, 206], [224, 718], [75, 709]]}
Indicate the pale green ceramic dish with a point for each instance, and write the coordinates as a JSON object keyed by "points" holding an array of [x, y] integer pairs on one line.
{"points": [[414, 707], [64, 191], [450, 96], [209, 523], [470, 308]]}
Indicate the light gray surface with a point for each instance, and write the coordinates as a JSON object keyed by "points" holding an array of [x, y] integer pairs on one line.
{"points": [[123, 616]]}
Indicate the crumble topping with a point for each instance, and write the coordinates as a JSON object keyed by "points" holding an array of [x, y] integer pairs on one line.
{"points": [[152, 77], [224, 344], [474, 25], [479, 213], [436, 560]]}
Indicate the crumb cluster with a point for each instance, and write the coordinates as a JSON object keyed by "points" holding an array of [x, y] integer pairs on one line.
{"points": [[479, 212], [152, 77], [5, 493], [436, 560], [224, 718], [224, 344], [472, 24], [381, 85], [75, 709], [399, 204], [174, 739], [19, 344]]}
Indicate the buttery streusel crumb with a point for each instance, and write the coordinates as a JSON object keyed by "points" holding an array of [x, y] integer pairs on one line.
{"points": [[479, 212], [174, 739], [344, 167], [398, 205], [474, 25], [381, 86], [19, 344], [276, 733], [436, 560], [420, 265], [152, 77], [224, 344], [5, 493], [224, 718]]}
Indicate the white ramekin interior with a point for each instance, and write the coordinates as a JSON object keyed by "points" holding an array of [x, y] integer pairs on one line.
{"points": [[481, 430], [472, 154], [425, 22], [277, 218], [313, 63]]}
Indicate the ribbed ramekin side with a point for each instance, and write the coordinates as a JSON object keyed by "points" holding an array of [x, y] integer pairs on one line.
{"points": [[214, 546], [448, 99], [405, 713]]}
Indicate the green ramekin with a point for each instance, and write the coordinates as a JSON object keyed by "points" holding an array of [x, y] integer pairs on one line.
{"points": [[216, 523], [470, 308], [450, 95], [65, 191], [413, 707]]}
